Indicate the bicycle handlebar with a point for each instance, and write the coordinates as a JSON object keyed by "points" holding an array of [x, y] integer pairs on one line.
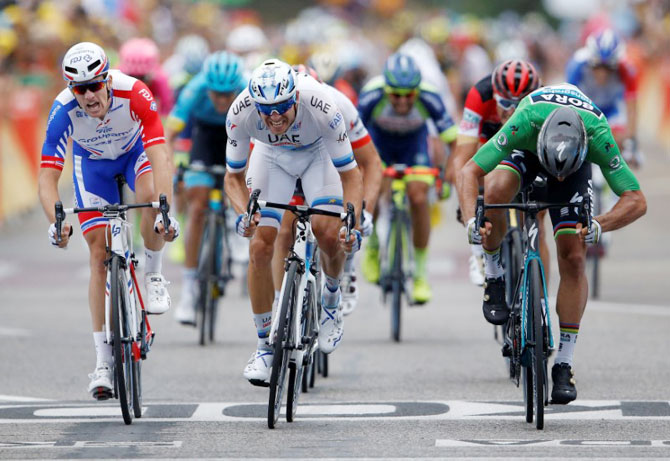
{"points": [[61, 212], [585, 216], [254, 204]]}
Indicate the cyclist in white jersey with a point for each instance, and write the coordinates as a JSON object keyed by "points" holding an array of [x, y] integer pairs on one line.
{"points": [[299, 132], [369, 162], [115, 129]]}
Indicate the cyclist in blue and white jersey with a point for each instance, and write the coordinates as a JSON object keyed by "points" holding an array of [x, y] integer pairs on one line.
{"points": [[205, 101], [394, 108], [600, 69], [115, 128], [299, 132]]}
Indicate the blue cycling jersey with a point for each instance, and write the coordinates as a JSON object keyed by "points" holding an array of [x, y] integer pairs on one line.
{"points": [[194, 103]]}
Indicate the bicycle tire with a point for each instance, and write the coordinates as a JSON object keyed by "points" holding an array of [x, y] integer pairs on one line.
{"points": [[539, 361], [121, 349], [205, 271], [308, 331], [396, 280], [297, 369], [281, 351], [137, 365], [218, 277]]}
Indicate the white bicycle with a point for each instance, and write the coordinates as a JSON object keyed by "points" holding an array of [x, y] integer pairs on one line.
{"points": [[295, 325], [127, 327]]}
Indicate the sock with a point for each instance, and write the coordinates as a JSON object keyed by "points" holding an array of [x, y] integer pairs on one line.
{"points": [[331, 293], [420, 262], [349, 263], [275, 302], [103, 351], [492, 266], [477, 250], [263, 323], [153, 261], [566, 348]]}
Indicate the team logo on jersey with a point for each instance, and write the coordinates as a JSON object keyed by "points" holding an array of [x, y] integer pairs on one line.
{"points": [[502, 139], [335, 121], [153, 106], [566, 100], [615, 163], [343, 137], [319, 104]]}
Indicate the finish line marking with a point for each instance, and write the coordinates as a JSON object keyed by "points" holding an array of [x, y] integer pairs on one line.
{"points": [[454, 410]]}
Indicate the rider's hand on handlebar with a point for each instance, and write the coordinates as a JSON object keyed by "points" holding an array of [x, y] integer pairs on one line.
{"points": [[366, 223], [246, 227], [476, 236], [590, 235], [173, 230], [66, 232], [353, 243]]}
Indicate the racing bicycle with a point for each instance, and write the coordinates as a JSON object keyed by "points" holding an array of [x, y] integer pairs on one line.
{"points": [[527, 336], [127, 326], [295, 325]]}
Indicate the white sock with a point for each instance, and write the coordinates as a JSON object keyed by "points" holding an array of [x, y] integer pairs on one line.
{"points": [[477, 250], [331, 293], [349, 263], [492, 266], [153, 261], [103, 351], [263, 324], [566, 348]]}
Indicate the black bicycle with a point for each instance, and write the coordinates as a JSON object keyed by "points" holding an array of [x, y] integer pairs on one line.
{"points": [[295, 326], [527, 336], [214, 269], [127, 326]]}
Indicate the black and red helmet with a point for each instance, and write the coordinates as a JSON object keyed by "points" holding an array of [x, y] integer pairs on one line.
{"points": [[514, 79]]}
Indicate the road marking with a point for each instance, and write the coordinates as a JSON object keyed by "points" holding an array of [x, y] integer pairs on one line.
{"points": [[93, 444], [451, 410], [21, 399], [531, 443], [79, 412]]}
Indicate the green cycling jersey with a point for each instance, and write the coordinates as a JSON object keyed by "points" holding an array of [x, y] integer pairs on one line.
{"points": [[520, 132]]}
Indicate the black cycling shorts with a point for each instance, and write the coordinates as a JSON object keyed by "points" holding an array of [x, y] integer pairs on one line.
{"points": [[572, 189], [209, 144]]}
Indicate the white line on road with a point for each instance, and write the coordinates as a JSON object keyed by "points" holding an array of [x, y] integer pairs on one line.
{"points": [[531, 443], [21, 399]]}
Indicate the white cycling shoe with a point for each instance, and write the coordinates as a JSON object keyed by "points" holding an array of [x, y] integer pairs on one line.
{"points": [[259, 367], [158, 298], [331, 328], [185, 311], [477, 270], [349, 288], [101, 386]]}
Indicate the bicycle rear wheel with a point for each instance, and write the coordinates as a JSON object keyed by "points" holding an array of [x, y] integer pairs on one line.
{"points": [[219, 276], [538, 337], [282, 351], [123, 358], [137, 367]]}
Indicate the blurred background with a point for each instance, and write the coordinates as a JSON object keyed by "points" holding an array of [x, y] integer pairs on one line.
{"points": [[346, 40]]}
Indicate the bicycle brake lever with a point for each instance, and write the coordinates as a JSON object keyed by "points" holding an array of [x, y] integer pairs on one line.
{"points": [[164, 207], [479, 212], [60, 217]]}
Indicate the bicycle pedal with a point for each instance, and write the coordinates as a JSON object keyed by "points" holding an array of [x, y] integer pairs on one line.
{"points": [[259, 383], [506, 350]]}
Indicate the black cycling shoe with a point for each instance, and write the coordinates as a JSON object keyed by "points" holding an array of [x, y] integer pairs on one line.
{"points": [[494, 306], [564, 390]]}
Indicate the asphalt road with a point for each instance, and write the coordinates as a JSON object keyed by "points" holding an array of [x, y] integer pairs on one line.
{"points": [[442, 392]]}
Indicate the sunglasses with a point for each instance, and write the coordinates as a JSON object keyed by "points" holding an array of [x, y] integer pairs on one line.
{"points": [[82, 88], [280, 107], [506, 104], [400, 92]]}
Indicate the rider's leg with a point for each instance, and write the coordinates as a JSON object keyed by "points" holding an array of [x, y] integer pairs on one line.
{"points": [[282, 246], [417, 193], [501, 187], [261, 286], [544, 247]]}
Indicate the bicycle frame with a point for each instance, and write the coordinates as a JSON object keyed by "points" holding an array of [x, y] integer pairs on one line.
{"points": [[302, 251]]}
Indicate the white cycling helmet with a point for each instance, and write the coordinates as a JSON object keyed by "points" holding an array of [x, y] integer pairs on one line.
{"points": [[194, 50], [84, 61], [246, 39], [272, 82]]}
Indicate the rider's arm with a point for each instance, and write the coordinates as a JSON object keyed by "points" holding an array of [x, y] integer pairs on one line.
{"points": [[469, 129], [431, 103], [632, 204], [183, 108], [237, 153], [371, 167], [54, 150], [143, 108], [629, 78], [515, 134]]}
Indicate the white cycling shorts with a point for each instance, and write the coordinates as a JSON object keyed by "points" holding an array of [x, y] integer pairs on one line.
{"points": [[275, 170]]}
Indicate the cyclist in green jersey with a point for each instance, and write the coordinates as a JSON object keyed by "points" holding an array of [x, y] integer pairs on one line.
{"points": [[552, 132]]}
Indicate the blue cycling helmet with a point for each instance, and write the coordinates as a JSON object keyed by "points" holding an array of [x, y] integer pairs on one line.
{"points": [[605, 48], [401, 71], [224, 72]]}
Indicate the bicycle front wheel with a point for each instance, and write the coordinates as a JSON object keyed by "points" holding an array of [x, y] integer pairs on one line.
{"points": [[123, 357], [397, 278], [206, 268], [281, 344], [538, 338]]}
